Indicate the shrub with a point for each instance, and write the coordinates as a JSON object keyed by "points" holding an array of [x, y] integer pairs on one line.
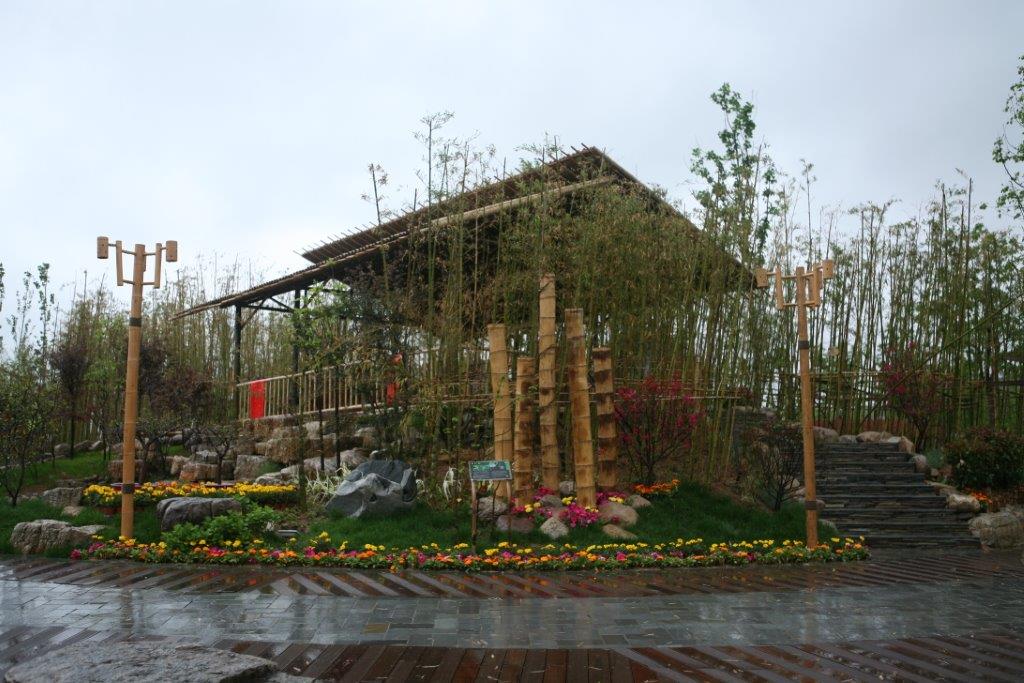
{"points": [[912, 390], [223, 531], [775, 453], [656, 421], [987, 458]]}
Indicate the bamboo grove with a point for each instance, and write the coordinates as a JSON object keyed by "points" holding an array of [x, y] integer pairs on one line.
{"points": [[666, 300]]}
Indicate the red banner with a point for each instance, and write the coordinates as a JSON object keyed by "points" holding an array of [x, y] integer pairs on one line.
{"points": [[257, 399]]}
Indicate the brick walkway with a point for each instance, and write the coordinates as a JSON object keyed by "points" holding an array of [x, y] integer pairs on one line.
{"points": [[954, 616]]}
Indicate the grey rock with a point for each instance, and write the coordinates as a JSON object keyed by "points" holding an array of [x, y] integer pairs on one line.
{"points": [[825, 435], [519, 525], [45, 534], [312, 429], [1015, 510], [61, 450], [368, 437], [489, 508], [177, 462], [176, 439], [617, 532], [62, 496], [285, 451], [174, 511], [72, 510], [636, 501], [142, 661], [96, 445], [206, 456], [998, 530], [83, 446], [920, 464], [903, 443], [554, 528], [550, 501], [261, 447], [617, 514], [873, 437], [274, 479], [567, 488], [961, 502], [848, 438], [248, 467], [376, 487]]}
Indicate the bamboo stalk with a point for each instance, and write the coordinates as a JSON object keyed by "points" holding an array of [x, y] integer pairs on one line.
{"points": [[522, 465], [579, 399], [546, 384], [607, 436], [503, 441]]}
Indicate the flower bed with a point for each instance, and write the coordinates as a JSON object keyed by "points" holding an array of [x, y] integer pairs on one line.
{"points": [[663, 488], [152, 492], [678, 553]]}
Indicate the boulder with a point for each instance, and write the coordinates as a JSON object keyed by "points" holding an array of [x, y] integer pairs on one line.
{"points": [[174, 511], [636, 501], [312, 429], [848, 438], [197, 471], [872, 437], [823, 435], [205, 456], [273, 479], [312, 466], [261, 447], [554, 528], [177, 462], [567, 488], [368, 437], [902, 443], [83, 446], [45, 534], [519, 525], [376, 487], [921, 465], [96, 445], [176, 438], [63, 496], [961, 502], [550, 501], [617, 514], [490, 507], [248, 467], [1015, 510], [617, 532], [72, 510], [285, 451], [998, 530], [143, 661], [61, 450], [114, 470], [286, 432]]}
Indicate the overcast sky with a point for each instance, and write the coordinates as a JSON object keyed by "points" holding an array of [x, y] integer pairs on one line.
{"points": [[245, 128]]}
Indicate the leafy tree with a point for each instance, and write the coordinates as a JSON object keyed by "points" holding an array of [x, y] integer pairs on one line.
{"points": [[656, 420], [70, 361], [1009, 153], [914, 390], [775, 453], [221, 438]]}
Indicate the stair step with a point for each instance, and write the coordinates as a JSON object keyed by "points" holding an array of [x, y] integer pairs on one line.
{"points": [[858, 447], [886, 540], [895, 514], [916, 503]]}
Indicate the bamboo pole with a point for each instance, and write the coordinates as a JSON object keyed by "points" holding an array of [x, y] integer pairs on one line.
{"points": [[546, 385], [522, 465], [503, 442], [579, 399], [607, 436]]}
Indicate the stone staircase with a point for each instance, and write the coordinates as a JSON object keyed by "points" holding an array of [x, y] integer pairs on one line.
{"points": [[873, 490]]}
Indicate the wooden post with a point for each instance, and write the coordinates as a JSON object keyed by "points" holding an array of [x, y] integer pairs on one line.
{"points": [[236, 364], [548, 409], [503, 443], [806, 404], [809, 285], [522, 465], [131, 383], [607, 436], [579, 400]]}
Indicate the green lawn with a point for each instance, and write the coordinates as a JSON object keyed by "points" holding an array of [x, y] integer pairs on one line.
{"points": [[692, 511], [45, 475], [29, 510]]}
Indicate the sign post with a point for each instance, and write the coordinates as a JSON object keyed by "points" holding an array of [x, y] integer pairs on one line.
{"points": [[486, 470]]}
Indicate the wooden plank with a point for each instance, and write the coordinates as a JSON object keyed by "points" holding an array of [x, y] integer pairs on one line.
{"points": [[382, 665], [427, 664], [555, 664], [448, 665], [576, 667], [830, 651], [949, 665], [959, 653], [599, 666], [533, 666], [325, 660], [636, 657], [512, 665], [404, 667], [469, 666]]}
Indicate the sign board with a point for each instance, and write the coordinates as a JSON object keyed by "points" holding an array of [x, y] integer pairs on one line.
{"points": [[490, 470]]}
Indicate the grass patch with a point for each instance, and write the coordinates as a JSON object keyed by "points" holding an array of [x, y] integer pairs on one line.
{"points": [[47, 474], [30, 510], [693, 511]]}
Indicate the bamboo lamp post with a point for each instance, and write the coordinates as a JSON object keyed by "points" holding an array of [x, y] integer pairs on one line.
{"points": [[546, 385], [809, 284], [522, 463], [131, 384], [579, 401], [503, 436]]}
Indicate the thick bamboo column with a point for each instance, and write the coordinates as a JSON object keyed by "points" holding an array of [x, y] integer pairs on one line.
{"points": [[131, 396], [522, 465], [546, 385], [806, 406], [579, 400], [607, 436], [503, 443]]}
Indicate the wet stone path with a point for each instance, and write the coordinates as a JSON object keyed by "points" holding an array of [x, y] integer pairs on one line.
{"points": [[926, 605]]}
